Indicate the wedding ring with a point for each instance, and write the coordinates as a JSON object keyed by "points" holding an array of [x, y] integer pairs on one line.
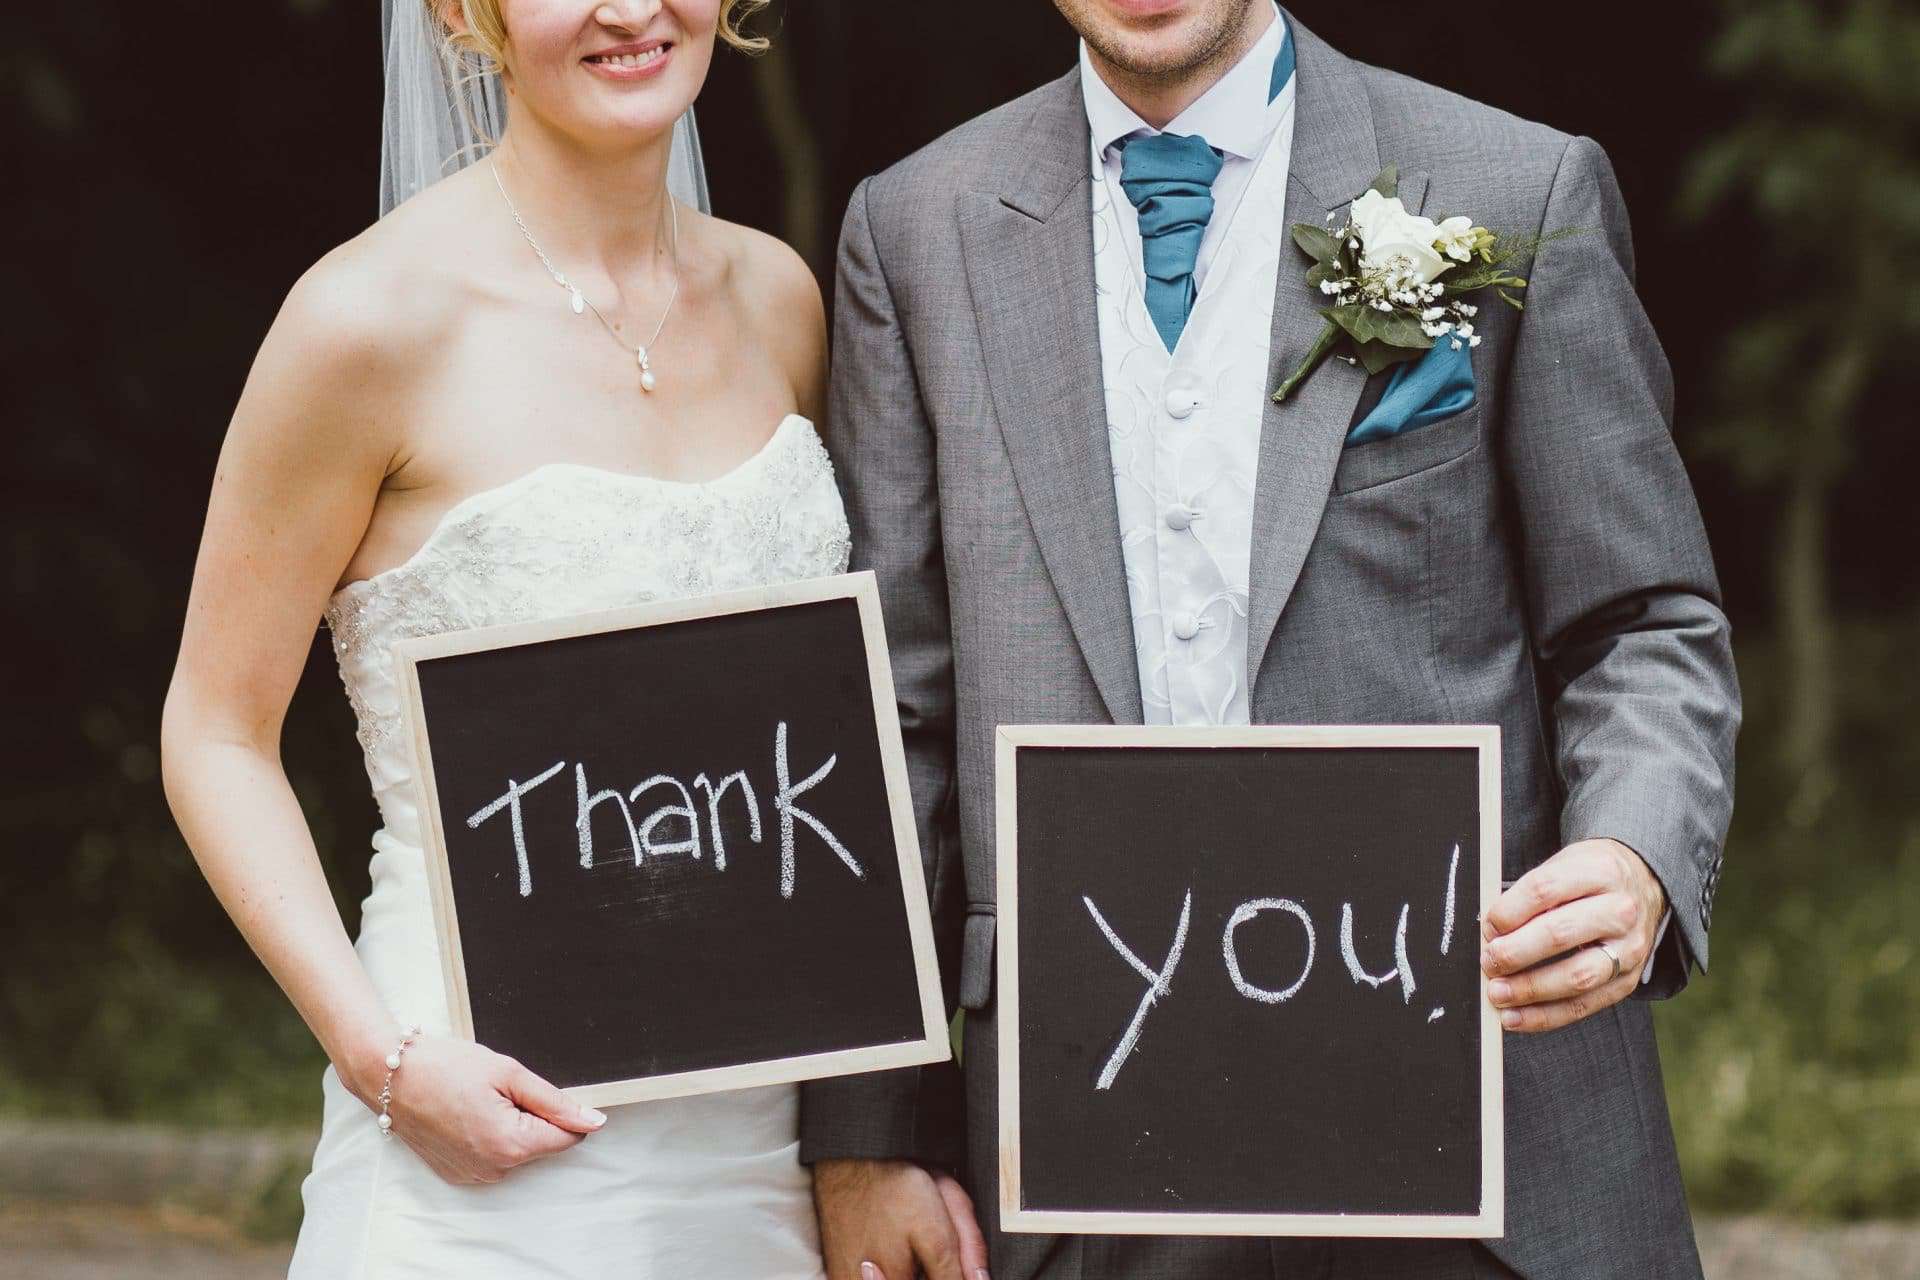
{"points": [[1613, 957]]}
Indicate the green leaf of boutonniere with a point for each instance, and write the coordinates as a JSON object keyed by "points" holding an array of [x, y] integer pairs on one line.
{"points": [[1375, 356], [1316, 243], [1388, 182], [1369, 324]]}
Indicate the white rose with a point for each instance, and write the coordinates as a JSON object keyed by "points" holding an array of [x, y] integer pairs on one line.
{"points": [[1387, 231]]}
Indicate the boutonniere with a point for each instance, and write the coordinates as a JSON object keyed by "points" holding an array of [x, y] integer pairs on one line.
{"points": [[1397, 282]]}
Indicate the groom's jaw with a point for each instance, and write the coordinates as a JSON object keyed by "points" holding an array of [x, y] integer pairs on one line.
{"points": [[630, 61]]}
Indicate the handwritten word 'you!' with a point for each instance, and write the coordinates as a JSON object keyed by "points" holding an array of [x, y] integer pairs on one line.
{"points": [[1160, 982], [647, 845]]}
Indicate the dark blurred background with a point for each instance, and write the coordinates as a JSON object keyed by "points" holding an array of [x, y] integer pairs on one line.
{"points": [[173, 169]]}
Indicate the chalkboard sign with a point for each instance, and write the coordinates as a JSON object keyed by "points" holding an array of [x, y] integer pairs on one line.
{"points": [[1239, 980], [671, 846]]}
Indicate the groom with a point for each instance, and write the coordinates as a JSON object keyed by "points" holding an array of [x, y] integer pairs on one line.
{"points": [[1058, 329]]}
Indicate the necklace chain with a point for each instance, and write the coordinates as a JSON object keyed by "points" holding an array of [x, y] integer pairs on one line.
{"points": [[581, 302]]}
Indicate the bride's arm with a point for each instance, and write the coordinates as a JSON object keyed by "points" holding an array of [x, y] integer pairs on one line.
{"points": [[295, 485], [311, 442]]}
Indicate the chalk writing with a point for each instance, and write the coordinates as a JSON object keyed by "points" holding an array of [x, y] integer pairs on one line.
{"points": [[788, 811], [643, 840], [1247, 911], [1157, 983], [714, 796], [511, 801]]}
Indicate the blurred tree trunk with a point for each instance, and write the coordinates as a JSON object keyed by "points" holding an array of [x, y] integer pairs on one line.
{"points": [[790, 126], [1804, 608]]}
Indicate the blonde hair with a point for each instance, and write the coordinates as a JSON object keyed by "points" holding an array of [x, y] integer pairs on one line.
{"points": [[482, 47]]}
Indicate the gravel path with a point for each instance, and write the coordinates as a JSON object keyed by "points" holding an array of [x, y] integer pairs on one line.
{"points": [[44, 1242]]}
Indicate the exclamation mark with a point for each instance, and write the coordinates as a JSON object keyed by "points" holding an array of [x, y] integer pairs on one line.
{"points": [[1446, 924]]}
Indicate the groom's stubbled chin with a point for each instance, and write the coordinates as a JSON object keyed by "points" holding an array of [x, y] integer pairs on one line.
{"points": [[1160, 38]]}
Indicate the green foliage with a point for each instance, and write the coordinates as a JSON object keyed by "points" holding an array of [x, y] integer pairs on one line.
{"points": [[1364, 324], [1793, 1068], [1317, 243], [141, 1035], [1824, 165]]}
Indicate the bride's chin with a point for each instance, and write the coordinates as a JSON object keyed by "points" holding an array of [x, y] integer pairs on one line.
{"points": [[632, 131]]}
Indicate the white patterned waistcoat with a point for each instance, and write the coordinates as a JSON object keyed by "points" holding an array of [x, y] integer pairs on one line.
{"points": [[1185, 434]]}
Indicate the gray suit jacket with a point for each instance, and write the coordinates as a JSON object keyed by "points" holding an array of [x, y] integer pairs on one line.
{"points": [[1536, 562]]}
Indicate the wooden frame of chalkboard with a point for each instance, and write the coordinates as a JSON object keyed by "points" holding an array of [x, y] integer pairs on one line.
{"points": [[931, 1043], [1483, 1214]]}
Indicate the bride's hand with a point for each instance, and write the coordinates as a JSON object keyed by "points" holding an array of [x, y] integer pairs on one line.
{"points": [[473, 1114]]}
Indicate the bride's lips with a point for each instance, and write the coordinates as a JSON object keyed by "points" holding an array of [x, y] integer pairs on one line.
{"points": [[635, 60]]}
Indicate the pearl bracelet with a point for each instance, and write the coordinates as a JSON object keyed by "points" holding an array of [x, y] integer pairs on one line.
{"points": [[386, 1087]]}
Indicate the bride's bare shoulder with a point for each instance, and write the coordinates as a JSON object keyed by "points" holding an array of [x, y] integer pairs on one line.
{"points": [[764, 270], [779, 299], [390, 292], [356, 341]]}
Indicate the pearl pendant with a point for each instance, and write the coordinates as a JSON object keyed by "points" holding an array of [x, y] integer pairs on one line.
{"points": [[646, 380], [393, 1062], [579, 301]]}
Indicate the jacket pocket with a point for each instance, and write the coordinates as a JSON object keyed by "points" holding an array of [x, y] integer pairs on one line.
{"points": [[976, 957], [1363, 466]]}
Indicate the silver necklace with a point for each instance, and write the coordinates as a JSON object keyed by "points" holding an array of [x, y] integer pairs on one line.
{"points": [[579, 300]]}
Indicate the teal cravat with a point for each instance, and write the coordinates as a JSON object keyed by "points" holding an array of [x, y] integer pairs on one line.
{"points": [[1169, 178]]}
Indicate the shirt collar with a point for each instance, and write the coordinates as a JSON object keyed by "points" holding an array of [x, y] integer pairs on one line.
{"points": [[1232, 115]]}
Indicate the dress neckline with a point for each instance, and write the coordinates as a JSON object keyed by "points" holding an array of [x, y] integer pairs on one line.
{"points": [[495, 492]]}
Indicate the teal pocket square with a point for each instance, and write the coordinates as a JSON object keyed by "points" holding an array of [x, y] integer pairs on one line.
{"points": [[1420, 393]]}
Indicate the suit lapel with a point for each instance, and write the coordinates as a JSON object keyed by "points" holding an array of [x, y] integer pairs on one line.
{"points": [[1334, 158], [1029, 264]]}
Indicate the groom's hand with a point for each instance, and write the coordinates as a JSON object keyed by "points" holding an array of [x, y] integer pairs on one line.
{"points": [[893, 1220], [1539, 937]]}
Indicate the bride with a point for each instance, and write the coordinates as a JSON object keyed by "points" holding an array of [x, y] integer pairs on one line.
{"points": [[539, 386]]}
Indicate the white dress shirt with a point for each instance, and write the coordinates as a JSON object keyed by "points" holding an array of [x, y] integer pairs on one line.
{"points": [[1184, 426]]}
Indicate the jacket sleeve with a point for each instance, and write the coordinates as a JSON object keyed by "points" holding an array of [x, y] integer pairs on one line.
{"points": [[883, 451], [1632, 645]]}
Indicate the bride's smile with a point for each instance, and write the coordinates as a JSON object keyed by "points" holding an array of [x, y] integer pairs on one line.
{"points": [[643, 63], [631, 61]]}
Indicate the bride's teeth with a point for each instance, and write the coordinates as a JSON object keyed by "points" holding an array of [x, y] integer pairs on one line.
{"points": [[630, 59]]}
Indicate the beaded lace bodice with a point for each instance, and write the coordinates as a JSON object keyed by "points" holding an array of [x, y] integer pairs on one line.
{"points": [[568, 538]]}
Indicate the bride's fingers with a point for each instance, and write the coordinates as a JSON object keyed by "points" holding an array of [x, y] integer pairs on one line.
{"points": [[966, 1226], [530, 1093]]}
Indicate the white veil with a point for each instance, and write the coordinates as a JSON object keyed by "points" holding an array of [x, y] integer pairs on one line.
{"points": [[442, 114]]}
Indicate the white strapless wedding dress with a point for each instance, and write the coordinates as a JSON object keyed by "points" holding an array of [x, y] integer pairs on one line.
{"points": [[697, 1187]]}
